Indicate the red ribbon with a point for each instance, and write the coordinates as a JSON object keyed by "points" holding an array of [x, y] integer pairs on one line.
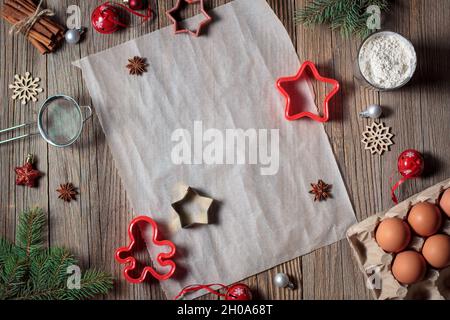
{"points": [[395, 187], [120, 23], [196, 287]]}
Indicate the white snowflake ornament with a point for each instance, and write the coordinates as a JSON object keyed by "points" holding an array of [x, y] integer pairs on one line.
{"points": [[25, 88], [239, 291], [377, 138]]}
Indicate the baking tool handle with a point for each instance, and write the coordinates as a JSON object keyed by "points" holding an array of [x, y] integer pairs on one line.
{"points": [[89, 113], [16, 128]]}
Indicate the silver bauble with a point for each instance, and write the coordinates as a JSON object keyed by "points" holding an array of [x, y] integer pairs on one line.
{"points": [[281, 280], [373, 111], [73, 36]]}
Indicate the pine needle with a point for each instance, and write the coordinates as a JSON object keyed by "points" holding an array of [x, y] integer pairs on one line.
{"points": [[348, 16]]}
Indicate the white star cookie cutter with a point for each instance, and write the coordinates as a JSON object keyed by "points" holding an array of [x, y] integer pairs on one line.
{"points": [[191, 208]]}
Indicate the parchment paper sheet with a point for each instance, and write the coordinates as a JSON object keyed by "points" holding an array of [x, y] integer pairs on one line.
{"points": [[226, 79], [361, 236]]}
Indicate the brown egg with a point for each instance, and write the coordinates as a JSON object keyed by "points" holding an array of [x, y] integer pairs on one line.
{"points": [[436, 250], [409, 267], [393, 235], [445, 202], [425, 219]]}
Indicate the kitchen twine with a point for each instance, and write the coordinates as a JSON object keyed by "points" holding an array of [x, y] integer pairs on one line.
{"points": [[27, 23]]}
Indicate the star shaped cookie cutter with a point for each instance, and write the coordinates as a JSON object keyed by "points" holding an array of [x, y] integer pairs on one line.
{"points": [[289, 104], [124, 255], [198, 215], [176, 24]]}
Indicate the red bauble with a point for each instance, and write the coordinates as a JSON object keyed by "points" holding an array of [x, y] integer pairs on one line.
{"points": [[105, 19], [135, 4], [410, 163], [26, 175], [239, 292]]}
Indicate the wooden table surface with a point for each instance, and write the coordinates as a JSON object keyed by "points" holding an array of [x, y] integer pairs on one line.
{"points": [[94, 225]]}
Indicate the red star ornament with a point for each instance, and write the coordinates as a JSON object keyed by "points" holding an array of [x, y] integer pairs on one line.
{"points": [[176, 24], [26, 175], [289, 113]]}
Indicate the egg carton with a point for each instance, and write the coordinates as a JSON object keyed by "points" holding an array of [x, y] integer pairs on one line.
{"points": [[375, 263]]}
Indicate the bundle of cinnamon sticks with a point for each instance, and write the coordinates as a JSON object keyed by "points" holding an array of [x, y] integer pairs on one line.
{"points": [[45, 34]]}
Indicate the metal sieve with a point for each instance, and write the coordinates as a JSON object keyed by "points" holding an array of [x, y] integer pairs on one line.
{"points": [[60, 122]]}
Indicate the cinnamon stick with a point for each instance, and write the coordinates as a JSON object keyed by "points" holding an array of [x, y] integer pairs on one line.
{"points": [[22, 15], [41, 48], [45, 34], [33, 34], [52, 25], [31, 9]]}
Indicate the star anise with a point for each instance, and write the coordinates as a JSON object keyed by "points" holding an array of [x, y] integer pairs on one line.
{"points": [[26, 175], [137, 65], [67, 192], [321, 190]]}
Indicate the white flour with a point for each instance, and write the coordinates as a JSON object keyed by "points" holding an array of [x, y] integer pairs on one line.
{"points": [[387, 60]]}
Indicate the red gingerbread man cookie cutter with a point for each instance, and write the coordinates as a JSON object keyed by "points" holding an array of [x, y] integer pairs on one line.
{"points": [[289, 103], [124, 255]]}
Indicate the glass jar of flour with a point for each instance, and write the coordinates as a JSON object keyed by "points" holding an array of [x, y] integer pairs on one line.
{"points": [[386, 61]]}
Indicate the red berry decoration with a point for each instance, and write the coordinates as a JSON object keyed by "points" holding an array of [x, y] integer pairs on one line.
{"points": [[26, 175], [105, 19], [135, 4], [410, 165], [239, 291]]}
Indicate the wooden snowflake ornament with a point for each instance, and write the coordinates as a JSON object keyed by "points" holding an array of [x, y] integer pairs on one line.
{"points": [[377, 138], [25, 88]]}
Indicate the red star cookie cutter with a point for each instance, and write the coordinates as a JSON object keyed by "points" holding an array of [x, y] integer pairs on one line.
{"points": [[124, 255], [176, 23], [295, 116]]}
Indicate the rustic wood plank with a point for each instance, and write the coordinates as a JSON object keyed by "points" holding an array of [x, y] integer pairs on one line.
{"points": [[95, 225], [18, 57], [265, 288], [353, 160], [109, 208], [321, 270]]}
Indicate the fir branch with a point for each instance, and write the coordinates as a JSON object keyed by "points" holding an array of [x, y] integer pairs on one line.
{"points": [[12, 276], [57, 263], [93, 282], [349, 16], [39, 273], [29, 231], [6, 249], [43, 294], [29, 272]]}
